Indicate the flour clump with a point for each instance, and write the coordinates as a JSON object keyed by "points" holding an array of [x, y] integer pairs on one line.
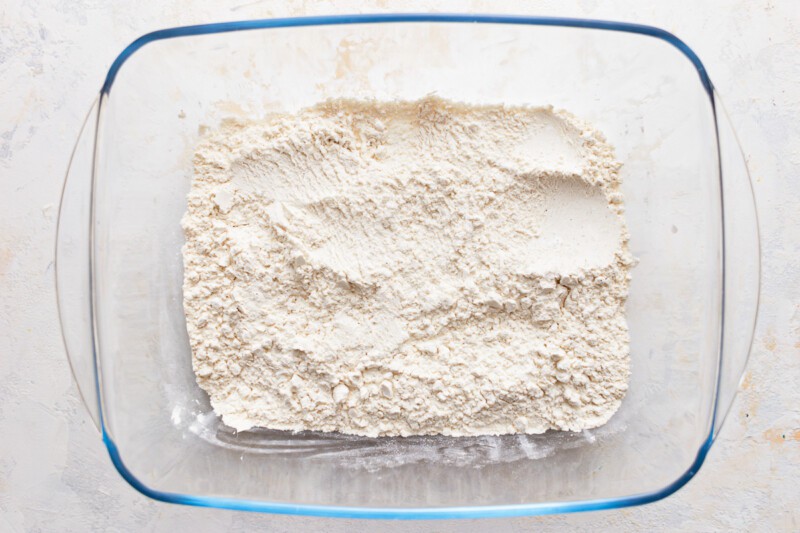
{"points": [[408, 268]]}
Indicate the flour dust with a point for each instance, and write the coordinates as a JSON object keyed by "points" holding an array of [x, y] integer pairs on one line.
{"points": [[408, 268]]}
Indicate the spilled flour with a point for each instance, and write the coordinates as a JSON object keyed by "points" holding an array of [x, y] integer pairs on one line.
{"points": [[408, 268]]}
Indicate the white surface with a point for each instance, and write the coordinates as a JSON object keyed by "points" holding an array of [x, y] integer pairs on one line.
{"points": [[54, 472]]}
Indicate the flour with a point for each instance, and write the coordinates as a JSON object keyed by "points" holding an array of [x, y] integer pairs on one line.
{"points": [[408, 268]]}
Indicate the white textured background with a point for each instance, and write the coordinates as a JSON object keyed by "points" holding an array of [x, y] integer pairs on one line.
{"points": [[54, 472]]}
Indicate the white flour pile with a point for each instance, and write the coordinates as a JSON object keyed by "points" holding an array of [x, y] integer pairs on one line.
{"points": [[408, 268]]}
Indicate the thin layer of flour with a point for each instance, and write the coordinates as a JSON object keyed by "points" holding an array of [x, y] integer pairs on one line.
{"points": [[408, 268]]}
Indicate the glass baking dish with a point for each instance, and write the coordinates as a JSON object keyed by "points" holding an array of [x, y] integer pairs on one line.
{"points": [[690, 213]]}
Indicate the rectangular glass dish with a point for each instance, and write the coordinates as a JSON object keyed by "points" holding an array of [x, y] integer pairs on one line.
{"points": [[690, 213]]}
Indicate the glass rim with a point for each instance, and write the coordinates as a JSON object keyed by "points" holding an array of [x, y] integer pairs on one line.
{"points": [[418, 513]]}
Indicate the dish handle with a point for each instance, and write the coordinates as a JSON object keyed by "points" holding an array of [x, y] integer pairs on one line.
{"points": [[742, 260], [72, 265]]}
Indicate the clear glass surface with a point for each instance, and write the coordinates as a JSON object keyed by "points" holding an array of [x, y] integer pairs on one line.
{"points": [[689, 212]]}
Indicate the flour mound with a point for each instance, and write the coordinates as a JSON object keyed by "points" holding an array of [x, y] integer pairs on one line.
{"points": [[408, 268]]}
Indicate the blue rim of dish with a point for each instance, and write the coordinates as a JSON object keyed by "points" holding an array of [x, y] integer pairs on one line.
{"points": [[334, 20], [489, 511]]}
